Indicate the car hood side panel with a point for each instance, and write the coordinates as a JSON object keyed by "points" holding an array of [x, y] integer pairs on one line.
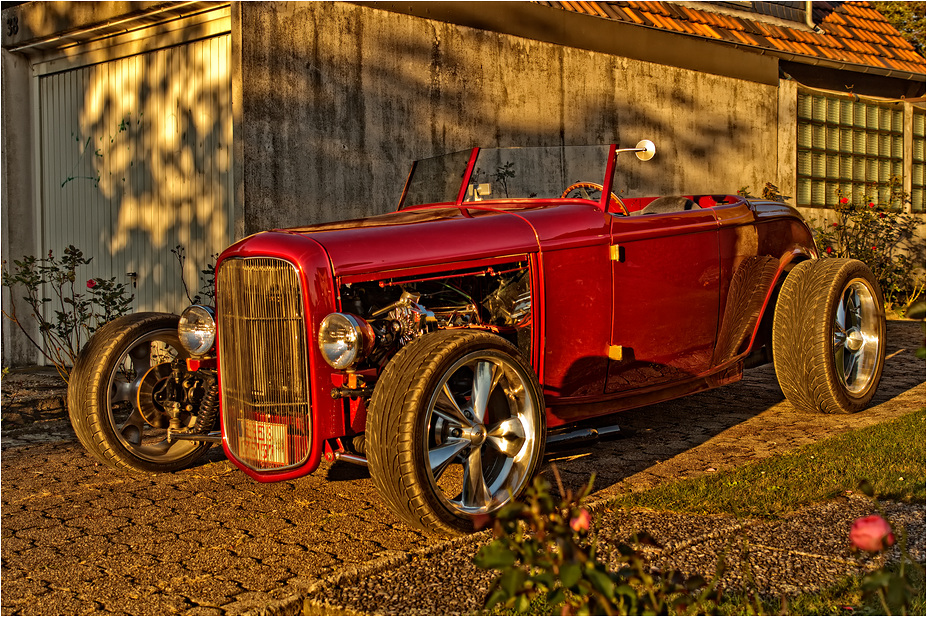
{"points": [[394, 247], [426, 236]]}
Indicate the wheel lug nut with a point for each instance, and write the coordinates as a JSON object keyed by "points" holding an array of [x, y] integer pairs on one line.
{"points": [[455, 432]]}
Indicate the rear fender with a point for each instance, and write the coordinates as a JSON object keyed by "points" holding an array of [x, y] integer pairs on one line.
{"points": [[787, 261]]}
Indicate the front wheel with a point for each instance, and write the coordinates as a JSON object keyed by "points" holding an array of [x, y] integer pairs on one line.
{"points": [[455, 430], [829, 336], [118, 391]]}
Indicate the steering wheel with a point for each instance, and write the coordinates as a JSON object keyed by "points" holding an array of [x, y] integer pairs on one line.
{"points": [[582, 186]]}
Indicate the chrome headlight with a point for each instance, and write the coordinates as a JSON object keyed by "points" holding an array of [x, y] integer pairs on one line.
{"points": [[197, 329], [344, 339]]}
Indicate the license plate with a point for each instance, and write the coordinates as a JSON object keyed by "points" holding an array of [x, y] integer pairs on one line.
{"points": [[265, 442]]}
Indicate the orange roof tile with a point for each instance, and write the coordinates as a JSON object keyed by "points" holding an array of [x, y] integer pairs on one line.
{"points": [[778, 44], [748, 38], [689, 27], [632, 14], [652, 18], [852, 32], [709, 31]]}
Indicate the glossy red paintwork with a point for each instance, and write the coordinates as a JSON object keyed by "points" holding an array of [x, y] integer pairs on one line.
{"points": [[382, 250], [684, 300], [665, 298]]}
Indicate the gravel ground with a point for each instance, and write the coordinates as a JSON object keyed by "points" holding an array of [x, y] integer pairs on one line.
{"points": [[804, 552], [81, 538]]}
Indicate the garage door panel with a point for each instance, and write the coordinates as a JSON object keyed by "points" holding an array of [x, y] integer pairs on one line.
{"points": [[137, 160]]}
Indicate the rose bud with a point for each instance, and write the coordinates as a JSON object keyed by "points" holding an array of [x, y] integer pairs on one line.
{"points": [[871, 533], [581, 521]]}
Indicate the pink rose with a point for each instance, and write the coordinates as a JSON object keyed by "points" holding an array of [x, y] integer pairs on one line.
{"points": [[581, 521], [91, 284], [871, 533], [844, 201]]}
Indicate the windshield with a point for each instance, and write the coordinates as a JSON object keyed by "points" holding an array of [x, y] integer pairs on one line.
{"points": [[507, 173]]}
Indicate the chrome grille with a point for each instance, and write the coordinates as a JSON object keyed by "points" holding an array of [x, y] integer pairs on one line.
{"points": [[263, 362]]}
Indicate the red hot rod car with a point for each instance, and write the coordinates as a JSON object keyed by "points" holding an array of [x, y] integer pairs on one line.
{"points": [[512, 298]]}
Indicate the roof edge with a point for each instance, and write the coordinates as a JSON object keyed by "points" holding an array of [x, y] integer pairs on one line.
{"points": [[577, 30]]}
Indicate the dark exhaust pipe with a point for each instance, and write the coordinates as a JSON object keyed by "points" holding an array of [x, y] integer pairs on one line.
{"points": [[579, 437]]}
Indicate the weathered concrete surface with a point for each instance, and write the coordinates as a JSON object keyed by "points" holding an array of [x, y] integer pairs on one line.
{"points": [[78, 537], [338, 99]]}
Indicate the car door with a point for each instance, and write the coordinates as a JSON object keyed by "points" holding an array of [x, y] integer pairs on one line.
{"points": [[665, 281]]}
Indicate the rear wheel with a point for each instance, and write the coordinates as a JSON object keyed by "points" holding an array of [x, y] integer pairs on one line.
{"points": [[829, 336], [455, 429], [117, 395]]}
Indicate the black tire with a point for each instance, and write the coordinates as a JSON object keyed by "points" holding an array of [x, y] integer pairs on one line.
{"points": [[112, 394], [422, 458], [829, 336]]}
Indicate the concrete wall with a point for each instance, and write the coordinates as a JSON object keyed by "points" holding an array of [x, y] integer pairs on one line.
{"points": [[338, 99], [19, 218]]}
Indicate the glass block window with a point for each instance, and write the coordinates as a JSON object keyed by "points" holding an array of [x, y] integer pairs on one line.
{"points": [[854, 146], [918, 163]]}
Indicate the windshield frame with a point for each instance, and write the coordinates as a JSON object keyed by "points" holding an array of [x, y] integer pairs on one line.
{"points": [[466, 183]]}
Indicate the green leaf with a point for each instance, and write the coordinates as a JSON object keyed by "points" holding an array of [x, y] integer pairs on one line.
{"points": [[602, 583], [695, 582], [545, 578], [512, 580], [497, 596], [494, 556], [556, 596], [570, 574]]}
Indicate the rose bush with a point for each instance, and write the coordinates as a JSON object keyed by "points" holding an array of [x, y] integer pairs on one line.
{"points": [[545, 551], [65, 317], [885, 239], [581, 521], [894, 585]]}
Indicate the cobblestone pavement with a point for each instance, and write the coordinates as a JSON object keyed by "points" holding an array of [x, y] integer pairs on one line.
{"points": [[81, 538]]}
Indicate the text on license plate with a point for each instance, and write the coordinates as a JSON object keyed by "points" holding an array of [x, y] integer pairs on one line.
{"points": [[263, 441]]}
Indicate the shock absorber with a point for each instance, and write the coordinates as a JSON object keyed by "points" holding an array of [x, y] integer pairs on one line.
{"points": [[209, 406]]}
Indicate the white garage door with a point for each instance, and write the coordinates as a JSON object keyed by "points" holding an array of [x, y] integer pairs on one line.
{"points": [[136, 159]]}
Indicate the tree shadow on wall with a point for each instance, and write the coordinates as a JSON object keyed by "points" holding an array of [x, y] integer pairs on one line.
{"points": [[143, 165]]}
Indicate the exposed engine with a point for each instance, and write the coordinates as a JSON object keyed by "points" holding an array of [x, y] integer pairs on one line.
{"points": [[400, 310]]}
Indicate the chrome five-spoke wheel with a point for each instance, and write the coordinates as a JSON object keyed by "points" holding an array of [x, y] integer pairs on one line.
{"points": [[120, 392], [481, 429], [857, 340], [455, 429]]}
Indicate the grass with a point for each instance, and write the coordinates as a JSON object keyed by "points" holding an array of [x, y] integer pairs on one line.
{"points": [[889, 455]]}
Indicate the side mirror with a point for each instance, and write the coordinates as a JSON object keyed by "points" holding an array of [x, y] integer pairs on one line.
{"points": [[645, 149]]}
